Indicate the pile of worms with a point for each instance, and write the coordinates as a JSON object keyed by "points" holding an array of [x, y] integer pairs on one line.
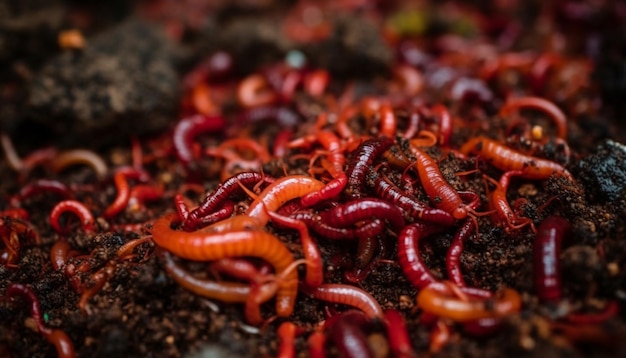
{"points": [[288, 190]]}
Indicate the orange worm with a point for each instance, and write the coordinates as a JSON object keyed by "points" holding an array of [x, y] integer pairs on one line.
{"points": [[205, 246], [507, 159]]}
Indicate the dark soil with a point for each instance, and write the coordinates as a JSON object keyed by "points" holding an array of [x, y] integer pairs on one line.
{"points": [[129, 84]]}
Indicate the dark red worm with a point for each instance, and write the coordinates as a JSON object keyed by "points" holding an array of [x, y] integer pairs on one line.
{"points": [[60, 340], [363, 158], [315, 223], [42, 186], [546, 252], [348, 332], [283, 116], [397, 334], [445, 124], [79, 209], [389, 191], [123, 191], [186, 129], [610, 310], [347, 295], [363, 209], [409, 256], [225, 191], [453, 257]]}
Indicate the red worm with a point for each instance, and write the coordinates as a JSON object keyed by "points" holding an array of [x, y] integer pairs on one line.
{"points": [[504, 214], [316, 343], [409, 256], [60, 340], [73, 206], [453, 257], [315, 223], [333, 188], [389, 191], [42, 186], [203, 246], [397, 334], [445, 124], [231, 292], [434, 301], [287, 338], [440, 192], [225, 191], [557, 116], [363, 209], [347, 295], [186, 129], [255, 91], [279, 192], [60, 252], [79, 156], [362, 160], [282, 116], [507, 159], [546, 252], [347, 331], [610, 310], [388, 120], [123, 192], [315, 270]]}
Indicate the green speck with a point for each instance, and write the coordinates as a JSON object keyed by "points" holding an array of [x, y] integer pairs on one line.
{"points": [[46, 317]]}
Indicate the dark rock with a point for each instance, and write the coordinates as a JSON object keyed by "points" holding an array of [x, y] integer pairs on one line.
{"points": [[604, 172], [253, 42], [355, 49], [124, 81]]}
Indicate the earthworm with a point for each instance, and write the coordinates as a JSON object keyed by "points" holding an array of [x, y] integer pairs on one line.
{"points": [[202, 246], [389, 191], [283, 116], [348, 295], [313, 258], [445, 124], [279, 192], [347, 331], [316, 344], [79, 156], [409, 256], [557, 116], [123, 192], [453, 257], [397, 334], [41, 186], [432, 300], [60, 252], [231, 292], [440, 192], [498, 201], [79, 209], [255, 91], [286, 340], [507, 159], [610, 310], [185, 131], [333, 188], [60, 340], [546, 252], [222, 193], [363, 209], [388, 120], [98, 280], [362, 160], [315, 223]]}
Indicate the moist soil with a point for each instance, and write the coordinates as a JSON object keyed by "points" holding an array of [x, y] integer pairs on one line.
{"points": [[141, 312]]}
